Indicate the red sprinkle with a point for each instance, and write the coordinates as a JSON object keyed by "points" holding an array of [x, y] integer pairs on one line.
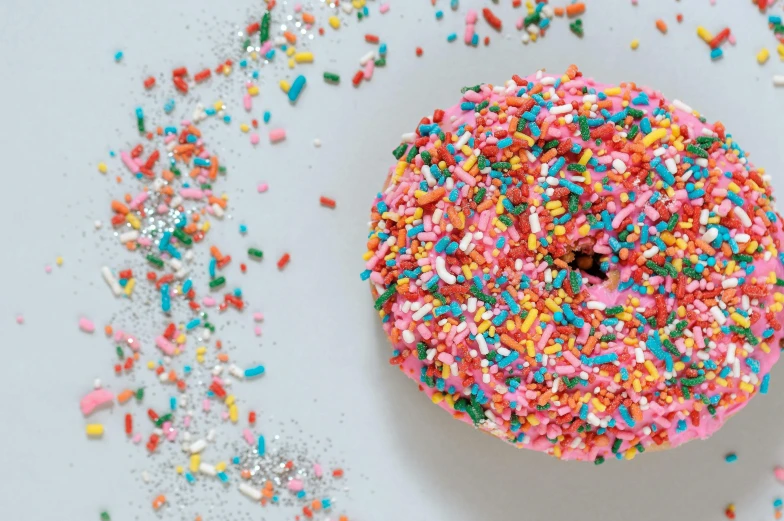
{"points": [[419, 51], [326, 201], [202, 75], [491, 19], [371, 38], [149, 82], [357, 79], [283, 261], [180, 84], [180, 71]]}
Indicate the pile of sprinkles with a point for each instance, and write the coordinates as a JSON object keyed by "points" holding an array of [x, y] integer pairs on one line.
{"points": [[179, 410], [581, 269]]}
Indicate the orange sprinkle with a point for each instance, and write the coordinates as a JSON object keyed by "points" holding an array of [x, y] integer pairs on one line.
{"points": [[326, 201], [661, 26], [108, 330], [575, 9], [125, 396]]}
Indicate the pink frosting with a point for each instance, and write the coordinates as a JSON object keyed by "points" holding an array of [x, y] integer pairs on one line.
{"points": [[636, 385]]}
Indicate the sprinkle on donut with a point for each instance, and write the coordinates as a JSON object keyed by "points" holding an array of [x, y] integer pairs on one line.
{"points": [[580, 269]]}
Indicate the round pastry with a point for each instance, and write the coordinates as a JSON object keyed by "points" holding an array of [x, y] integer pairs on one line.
{"points": [[581, 269]]}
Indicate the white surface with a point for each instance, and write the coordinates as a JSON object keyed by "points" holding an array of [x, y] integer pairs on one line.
{"points": [[66, 103]]}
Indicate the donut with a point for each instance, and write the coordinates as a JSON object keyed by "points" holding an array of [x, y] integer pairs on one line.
{"points": [[581, 269]]}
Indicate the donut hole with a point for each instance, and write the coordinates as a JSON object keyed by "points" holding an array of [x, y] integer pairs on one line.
{"points": [[589, 264]]}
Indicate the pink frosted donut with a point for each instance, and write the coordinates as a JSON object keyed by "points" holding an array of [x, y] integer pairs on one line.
{"points": [[581, 269]]}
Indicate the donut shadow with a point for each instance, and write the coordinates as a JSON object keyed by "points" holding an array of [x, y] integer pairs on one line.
{"points": [[470, 475]]}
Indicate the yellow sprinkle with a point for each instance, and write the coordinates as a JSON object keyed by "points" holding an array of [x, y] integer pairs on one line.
{"points": [[586, 157], [584, 230], [233, 413], [529, 320], [437, 397], [94, 430], [178, 469], [195, 462], [763, 56], [129, 286], [102, 168], [469, 163], [484, 326], [636, 385], [552, 306], [612, 91], [598, 405], [651, 369], [532, 419], [253, 90], [303, 57], [150, 365], [133, 221], [334, 21], [635, 43], [655, 135], [244, 127], [704, 34], [230, 399], [220, 466], [551, 350], [284, 86], [746, 386], [59, 261]]}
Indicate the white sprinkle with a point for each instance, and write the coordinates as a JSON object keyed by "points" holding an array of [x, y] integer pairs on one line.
{"points": [[465, 241], [595, 304], [742, 238], [533, 220], [730, 354], [217, 210], [650, 252], [741, 214], [424, 310], [129, 236], [704, 214], [317, 142], [462, 140], [731, 282], [778, 80], [431, 181], [111, 281], [444, 273], [670, 164], [198, 446], [480, 340], [718, 315], [408, 137], [437, 214], [682, 106], [639, 356], [253, 493], [408, 336], [710, 235], [367, 57], [206, 468], [619, 166], [561, 109]]}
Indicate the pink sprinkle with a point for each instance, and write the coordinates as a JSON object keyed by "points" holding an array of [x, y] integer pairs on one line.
{"points": [[186, 421], [368, 71], [254, 139], [257, 330], [318, 470], [519, 23], [224, 415], [297, 8], [731, 39], [258, 316], [295, 485], [95, 399], [19, 319], [86, 325], [471, 17], [208, 302], [137, 438], [205, 405], [263, 187], [248, 436], [277, 135], [779, 473], [247, 102], [383, 8], [165, 346], [48, 269], [171, 435]]}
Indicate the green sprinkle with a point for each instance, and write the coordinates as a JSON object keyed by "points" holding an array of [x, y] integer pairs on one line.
{"points": [[672, 222], [264, 32], [105, 516], [482, 296], [482, 162], [632, 132], [575, 167], [331, 77], [607, 338], [506, 220], [691, 382], [425, 155], [671, 347], [421, 350], [521, 123], [697, 151], [163, 419], [214, 283], [156, 261], [140, 124], [495, 108], [520, 208], [657, 269], [613, 310], [140, 393], [574, 282], [412, 152], [381, 62], [480, 195], [616, 445], [461, 404], [574, 203], [599, 460], [175, 171], [585, 132], [551, 144], [120, 353], [384, 297], [482, 105], [742, 257], [182, 237], [475, 88], [635, 113], [502, 165], [399, 151], [253, 252]]}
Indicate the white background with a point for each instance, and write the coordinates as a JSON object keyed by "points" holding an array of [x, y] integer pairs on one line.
{"points": [[65, 104]]}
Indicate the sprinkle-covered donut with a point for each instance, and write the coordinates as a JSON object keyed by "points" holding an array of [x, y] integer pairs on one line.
{"points": [[581, 269]]}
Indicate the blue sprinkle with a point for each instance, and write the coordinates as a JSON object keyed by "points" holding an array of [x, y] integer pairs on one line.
{"points": [[765, 383], [262, 446], [254, 371]]}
